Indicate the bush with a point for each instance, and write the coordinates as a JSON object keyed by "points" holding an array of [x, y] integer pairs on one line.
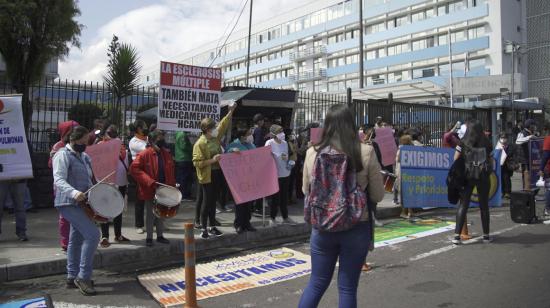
{"points": [[85, 114]]}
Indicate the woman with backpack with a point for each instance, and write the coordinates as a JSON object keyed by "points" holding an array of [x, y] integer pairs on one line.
{"points": [[336, 170], [476, 150]]}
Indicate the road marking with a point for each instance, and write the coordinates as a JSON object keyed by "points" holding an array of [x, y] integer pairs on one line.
{"points": [[450, 247]]}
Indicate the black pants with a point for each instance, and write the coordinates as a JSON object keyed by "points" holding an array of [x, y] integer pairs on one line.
{"points": [[506, 178], [280, 199], [198, 204], [117, 221], [243, 214], [482, 186], [210, 192], [292, 182], [222, 196], [139, 213]]}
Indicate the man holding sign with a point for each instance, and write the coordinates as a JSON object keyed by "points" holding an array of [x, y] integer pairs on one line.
{"points": [[15, 161]]}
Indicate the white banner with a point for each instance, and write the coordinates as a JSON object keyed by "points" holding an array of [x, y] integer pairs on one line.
{"points": [[15, 160]]}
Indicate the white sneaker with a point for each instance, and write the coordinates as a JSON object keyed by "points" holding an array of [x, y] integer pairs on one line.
{"points": [[378, 223], [289, 221], [546, 212], [140, 231], [273, 223]]}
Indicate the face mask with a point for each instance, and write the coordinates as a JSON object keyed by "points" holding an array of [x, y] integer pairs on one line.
{"points": [[281, 136], [79, 148], [503, 141], [214, 133], [161, 143], [145, 131], [249, 139], [112, 135]]}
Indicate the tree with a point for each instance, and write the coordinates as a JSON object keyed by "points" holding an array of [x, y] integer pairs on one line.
{"points": [[32, 33], [123, 72]]}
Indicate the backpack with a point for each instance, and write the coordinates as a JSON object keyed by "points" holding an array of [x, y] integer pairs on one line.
{"points": [[475, 162], [335, 201]]}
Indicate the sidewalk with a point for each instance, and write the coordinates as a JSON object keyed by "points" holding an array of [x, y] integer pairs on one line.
{"points": [[42, 255]]}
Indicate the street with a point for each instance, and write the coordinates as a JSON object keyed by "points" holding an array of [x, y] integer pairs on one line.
{"points": [[513, 271]]}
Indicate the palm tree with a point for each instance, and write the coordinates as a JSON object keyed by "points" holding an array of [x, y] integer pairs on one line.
{"points": [[122, 74]]}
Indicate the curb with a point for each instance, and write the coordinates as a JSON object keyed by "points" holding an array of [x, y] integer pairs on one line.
{"points": [[163, 255]]}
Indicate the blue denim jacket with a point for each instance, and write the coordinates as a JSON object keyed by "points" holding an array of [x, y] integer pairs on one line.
{"points": [[72, 173]]}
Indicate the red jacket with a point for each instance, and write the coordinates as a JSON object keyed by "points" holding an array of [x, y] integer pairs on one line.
{"points": [[144, 169]]}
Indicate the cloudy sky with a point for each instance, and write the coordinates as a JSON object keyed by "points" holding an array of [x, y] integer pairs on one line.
{"points": [[159, 30]]}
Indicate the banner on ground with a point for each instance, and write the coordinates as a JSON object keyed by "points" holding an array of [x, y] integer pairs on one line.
{"points": [[187, 95], [250, 175], [228, 276], [387, 145], [105, 158], [535, 159], [15, 159], [423, 177]]}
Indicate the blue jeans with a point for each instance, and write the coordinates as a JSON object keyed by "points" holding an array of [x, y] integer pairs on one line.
{"points": [[16, 190], [351, 248], [83, 240], [184, 177]]}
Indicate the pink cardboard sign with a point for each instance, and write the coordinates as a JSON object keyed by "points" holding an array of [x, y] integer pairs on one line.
{"points": [[388, 148], [105, 159], [315, 134], [250, 175]]}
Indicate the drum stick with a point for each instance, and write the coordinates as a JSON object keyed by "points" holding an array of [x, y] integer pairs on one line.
{"points": [[100, 181], [162, 184]]}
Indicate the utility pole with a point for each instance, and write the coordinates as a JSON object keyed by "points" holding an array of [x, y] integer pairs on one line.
{"points": [[249, 39], [361, 56], [451, 69]]}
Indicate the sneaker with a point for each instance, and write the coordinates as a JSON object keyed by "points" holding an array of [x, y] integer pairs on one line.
{"points": [[162, 240], [205, 234], [23, 238], [104, 243], [216, 223], [218, 211], [395, 203], [215, 231], [289, 221], [121, 238], [140, 231], [546, 212], [198, 225], [378, 223], [273, 223], [149, 242], [86, 287], [240, 230], [69, 283], [250, 228], [487, 239], [456, 240]]}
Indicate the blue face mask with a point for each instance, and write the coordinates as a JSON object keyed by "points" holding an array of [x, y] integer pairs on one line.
{"points": [[79, 148]]}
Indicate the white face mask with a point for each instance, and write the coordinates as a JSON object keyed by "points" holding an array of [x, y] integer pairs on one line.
{"points": [[214, 133], [281, 136], [249, 139]]}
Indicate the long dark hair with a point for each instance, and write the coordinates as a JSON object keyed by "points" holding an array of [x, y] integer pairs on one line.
{"points": [[76, 133], [475, 137], [340, 125]]}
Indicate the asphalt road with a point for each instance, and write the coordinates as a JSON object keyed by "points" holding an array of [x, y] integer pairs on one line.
{"points": [[513, 271]]}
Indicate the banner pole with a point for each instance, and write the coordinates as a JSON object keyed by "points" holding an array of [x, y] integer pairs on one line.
{"points": [[263, 211], [189, 253]]}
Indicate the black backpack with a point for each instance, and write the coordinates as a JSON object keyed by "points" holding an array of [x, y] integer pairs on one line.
{"points": [[475, 162]]}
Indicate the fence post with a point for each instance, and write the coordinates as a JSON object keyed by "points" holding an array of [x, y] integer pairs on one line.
{"points": [[190, 282]]}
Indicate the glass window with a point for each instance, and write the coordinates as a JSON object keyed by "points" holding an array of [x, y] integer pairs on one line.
{"points": [[430, 42], [444, 70], [458, 36], [430, 13], [476, 63], [353, 83], [333, 86], [442, 39], [400, 21], [352, 59], [379, 27], [381, 52], [348, 7], [441, 10], [418, 16], [419, 44], [371, 54], [456, 6], [341, 61]]}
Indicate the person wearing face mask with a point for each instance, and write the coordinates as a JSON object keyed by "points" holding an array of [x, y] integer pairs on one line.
{"points": [[528, 132], [72, 175], [121, 180], [137, 144], [292, 157], [507, 163], [244, 141], [279, 148], [206, 157], [152, 166]]}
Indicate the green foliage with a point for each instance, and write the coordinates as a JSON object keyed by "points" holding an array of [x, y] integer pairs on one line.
{"points": [[85, 114], [32, 33]]}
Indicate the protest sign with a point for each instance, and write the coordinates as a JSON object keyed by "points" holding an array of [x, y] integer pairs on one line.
{"points": [[15, 160], [315, 134], [250, 175], [535, 160], [386, 143], [424, 172], [187, 95], [105, 158], [228, 276]]}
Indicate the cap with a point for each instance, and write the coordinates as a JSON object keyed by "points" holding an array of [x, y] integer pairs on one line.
{"points": [[275, 129]]}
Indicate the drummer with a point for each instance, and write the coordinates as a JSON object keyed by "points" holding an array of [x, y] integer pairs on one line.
{"points": [[121, 181], [154, 164], [72, 174]]}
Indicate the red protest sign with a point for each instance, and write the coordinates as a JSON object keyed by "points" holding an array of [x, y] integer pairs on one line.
{"points": [[250, 175], [386, 143], [105, 159]]}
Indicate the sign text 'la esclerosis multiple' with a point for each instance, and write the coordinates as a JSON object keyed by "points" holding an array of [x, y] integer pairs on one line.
{"points": [[187, 95]]}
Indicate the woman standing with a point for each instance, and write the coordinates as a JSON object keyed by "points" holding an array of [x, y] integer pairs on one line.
{"points": [[243, 212], [206, 157], [72, 177], [349, 247], [476, 150], [137, 144], [121, 180]]}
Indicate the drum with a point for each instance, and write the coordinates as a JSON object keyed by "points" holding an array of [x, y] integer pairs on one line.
{"points": [[167, 201], [104, 203]]}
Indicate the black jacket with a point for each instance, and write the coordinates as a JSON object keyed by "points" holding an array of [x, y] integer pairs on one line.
{"points": [[456, 180]]}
